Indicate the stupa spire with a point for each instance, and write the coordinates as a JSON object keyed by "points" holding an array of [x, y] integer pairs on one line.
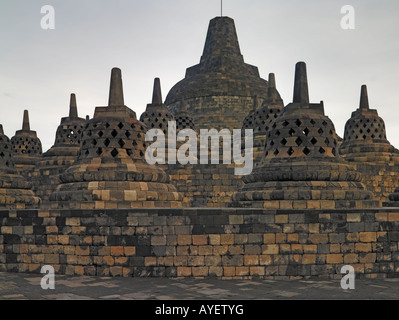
{"points": [[272, 93], [157, 94], [301, 92], [73, 109], [25, 122], [221, 41], [364, 98], [116, 88]]}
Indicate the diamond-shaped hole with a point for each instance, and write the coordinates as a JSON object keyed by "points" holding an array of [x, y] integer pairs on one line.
{"points": [[100, 133], [298, 141], [277, 133], [99, 151], [283, 142], [290, 151], [120, 125], [313, 141], [312, 122], [107, 142], [114, 133], [114, 153], [291, 132], [276, 152], [121, 143], [306, 151], [322, 151], [320, 131], [298, 122], [306, 131], [285, 123]]}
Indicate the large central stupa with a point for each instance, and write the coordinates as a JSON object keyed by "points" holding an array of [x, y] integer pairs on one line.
{"points": [[219, 91]]}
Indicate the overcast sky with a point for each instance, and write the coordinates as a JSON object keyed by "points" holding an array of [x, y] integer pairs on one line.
{"points": [[161, 38]]}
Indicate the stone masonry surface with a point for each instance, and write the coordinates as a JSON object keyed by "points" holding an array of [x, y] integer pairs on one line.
{"points": [[197, 243]]}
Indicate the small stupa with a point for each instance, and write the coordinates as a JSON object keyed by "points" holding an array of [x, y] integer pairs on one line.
{"points": [[27, 147], [300, 168], [260, 118], [365, 138], [15, 190], [111, 170], [46, 175]]}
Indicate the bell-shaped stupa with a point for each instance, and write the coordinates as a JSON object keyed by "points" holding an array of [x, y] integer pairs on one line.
{"points": [[46, 175], [15, 190], [27, 147], [300, 168], [260, 118], [157, 114], [111, 170], [365, 138]]}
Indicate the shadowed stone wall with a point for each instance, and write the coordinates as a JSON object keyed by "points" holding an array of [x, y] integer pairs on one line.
{"points": [[223, 243]]}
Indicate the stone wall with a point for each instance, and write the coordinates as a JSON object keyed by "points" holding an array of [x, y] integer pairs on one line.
{"points": [[223, 243], [380, 178]]}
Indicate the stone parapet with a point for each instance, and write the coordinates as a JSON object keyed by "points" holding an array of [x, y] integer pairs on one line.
{"points": [[200, 243]]}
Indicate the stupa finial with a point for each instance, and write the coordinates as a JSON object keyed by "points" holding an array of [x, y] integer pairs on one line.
{"points": [[364, 98], [157, 94], [73, 109], [116, 88], [301, 92], [25, 122]]}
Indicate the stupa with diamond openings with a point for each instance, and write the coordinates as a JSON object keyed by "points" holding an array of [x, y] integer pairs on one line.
{"points": [[111, 170], [15, 190], [46, 175], [300, 168]]}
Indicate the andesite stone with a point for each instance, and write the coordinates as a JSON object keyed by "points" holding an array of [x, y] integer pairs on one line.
{"points": [[15, 190], [300, 167], [110, 170]]}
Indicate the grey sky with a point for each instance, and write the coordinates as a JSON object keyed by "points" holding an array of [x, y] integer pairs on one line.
{"points": [[161, 38]]}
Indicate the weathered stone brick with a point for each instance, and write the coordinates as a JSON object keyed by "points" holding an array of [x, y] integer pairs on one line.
{"points": [[150, 261], [214, 239], [367, 257], [109, 260], [270, 249], [281, 218], [184, 239], [265, 260], [269, 238], [297, 248], [351, 258], [184, 271], [117, 251], [200, 271], [318, 238], [200, 240], [195, 261], [205, 250], [180, 261], [309, 259], [393, 216], [363, 247], [368, 236], [72, 222], [251, 260], [129, 251], [335, 248], [82, 250], [226, 239]]}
